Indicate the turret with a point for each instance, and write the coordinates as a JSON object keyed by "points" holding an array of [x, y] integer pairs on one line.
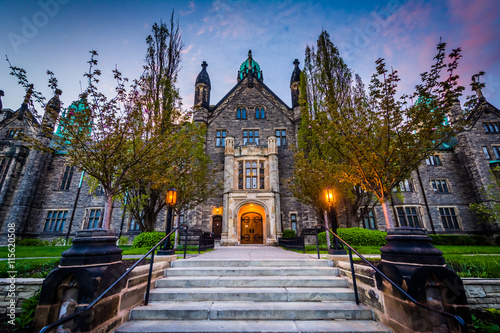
{"points": [[202, 88], [294, 84], [51, 114]]}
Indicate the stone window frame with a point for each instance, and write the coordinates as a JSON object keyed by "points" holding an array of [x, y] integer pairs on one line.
{"points": [[279, 139], [55, 223], [407, 221], [369, 219], [220, 134], [66, 178], [132, 226], [442, 188], [242, 174], [496, 151], [433, 160], [241, 112], [486, 153], [491, 127], [13, 133], [262, 112], [458, 220], [296, 221], [4, 169], [405, 186], [87, 216], [254, 137]]}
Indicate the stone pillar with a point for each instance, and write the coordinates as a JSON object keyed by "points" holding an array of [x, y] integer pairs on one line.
{"points": [[228, 187], [274, 187], [414, 264]]}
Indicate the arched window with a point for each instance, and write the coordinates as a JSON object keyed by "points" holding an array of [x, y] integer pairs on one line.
{"points": [[238, 113], [260, 113], [243, 113]]}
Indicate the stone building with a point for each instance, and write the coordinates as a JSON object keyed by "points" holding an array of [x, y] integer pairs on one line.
{"points": [[249, 136]]}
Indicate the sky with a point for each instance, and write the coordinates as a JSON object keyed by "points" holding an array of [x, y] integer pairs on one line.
{"points": [[57, 35]]}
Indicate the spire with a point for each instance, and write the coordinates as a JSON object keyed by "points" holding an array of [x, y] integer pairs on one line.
{"points": [[476, 86], [24, 106], [1, 94], [203, 76], [296, 72], [250, 66], [202, 88], [294, 83], [51, 114], [250, 60]]}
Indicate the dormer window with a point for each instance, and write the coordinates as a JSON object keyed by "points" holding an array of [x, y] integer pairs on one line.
{"points": [[14, 133], [260, 113], [241, 113]]}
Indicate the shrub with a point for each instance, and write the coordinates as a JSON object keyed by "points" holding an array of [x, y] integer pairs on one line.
{"points": [[122, 240], [61, 241], [288, 233], [148, 239], [459, 240], [357, 237], [31, 242]]}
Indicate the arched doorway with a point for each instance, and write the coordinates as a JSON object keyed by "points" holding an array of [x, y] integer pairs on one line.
{"points": [[217, 226], [251, 228]]}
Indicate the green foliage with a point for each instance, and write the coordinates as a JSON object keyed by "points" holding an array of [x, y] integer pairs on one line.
{"points": [[33, 268], [122, 240], [357, 237], [289, 233], [31, 242], [459, 240], [475, 266], [147, 239], [61, 241], [25, 319], [486, 326]]}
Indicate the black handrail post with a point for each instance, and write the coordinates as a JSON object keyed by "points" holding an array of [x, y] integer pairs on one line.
{"points": [[303, 245], [149, 277], [356, 297], [185, 241], [317, 241]]}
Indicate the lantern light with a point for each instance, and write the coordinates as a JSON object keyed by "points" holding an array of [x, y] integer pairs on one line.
{"points": [[329, 196], [171, 197]]}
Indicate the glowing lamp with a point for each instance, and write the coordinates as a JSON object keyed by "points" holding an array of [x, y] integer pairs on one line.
{"points": [[171, 198]]}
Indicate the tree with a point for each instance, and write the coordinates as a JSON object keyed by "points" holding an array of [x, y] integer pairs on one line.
{"points": [[316, 168], [377, 137]]}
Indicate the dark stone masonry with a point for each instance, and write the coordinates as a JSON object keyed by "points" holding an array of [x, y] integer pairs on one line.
{"points": [[250, 132]]}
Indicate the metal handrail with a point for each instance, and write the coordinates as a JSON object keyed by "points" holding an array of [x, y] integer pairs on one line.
{"points": [[458, 319], [91, 305]]}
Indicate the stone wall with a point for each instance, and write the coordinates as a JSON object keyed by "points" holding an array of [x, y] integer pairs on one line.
{"points": [[482, 293], [24, 289]]}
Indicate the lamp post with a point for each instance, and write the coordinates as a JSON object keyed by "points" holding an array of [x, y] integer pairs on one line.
{"points": [[171, 199], [330, 199]]}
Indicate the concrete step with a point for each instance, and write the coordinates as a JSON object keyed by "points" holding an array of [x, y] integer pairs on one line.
{"points": [[252, 326], [252, 271], [251, 281], [252, 311], [251, 263], [253, 294]]}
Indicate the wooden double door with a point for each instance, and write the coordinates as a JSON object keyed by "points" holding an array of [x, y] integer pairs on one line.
{"points": [[251, 229]]}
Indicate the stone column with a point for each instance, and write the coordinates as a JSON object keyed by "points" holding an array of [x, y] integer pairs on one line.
{"points": [[274, 186], [228, 186]]}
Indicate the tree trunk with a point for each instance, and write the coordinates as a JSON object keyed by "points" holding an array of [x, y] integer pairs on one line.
{"points": [[387, 214], [108, 212], [176, 224]]}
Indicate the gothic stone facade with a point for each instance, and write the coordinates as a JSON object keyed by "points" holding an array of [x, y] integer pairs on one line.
{"points": [[249, 136]]}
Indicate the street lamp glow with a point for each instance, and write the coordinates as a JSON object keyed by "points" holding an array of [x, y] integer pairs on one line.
{"points": [[329, 196], [171, 198]]}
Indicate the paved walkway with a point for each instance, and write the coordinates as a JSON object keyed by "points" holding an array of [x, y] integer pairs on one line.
{"points": [[253, 252]]}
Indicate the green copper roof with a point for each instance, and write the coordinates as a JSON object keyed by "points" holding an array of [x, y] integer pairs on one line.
{"points": [[255, 67]]}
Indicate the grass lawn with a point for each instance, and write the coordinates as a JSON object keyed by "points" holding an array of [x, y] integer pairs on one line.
{"points": [[447, 249]]}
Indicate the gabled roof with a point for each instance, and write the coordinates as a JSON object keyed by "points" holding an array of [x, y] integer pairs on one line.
{"points": [[482, 107], [214, 111], [28, 118]]}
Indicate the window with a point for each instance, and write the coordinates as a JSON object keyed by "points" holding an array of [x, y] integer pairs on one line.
{"points": [[404, 186], [251, 136], [253, 173], [293, 222], [220, 138], [485, 151], [55, 220], [67, 177], [260, 113], [369, 219], [281, 137], [93, 218], [440, 186], [408, 216], [449, 218], [491, 127], [496, 150], [14, 133], [241, 113], [99, 191], [134, 226], [433, 160], [4, 167]]}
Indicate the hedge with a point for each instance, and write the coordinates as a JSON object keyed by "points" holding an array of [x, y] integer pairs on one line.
{"points": [[288, 233], [148, 239], [357, 237]]}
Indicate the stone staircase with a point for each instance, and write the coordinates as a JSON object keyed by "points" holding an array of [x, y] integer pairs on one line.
{"points": [[203, 295]]}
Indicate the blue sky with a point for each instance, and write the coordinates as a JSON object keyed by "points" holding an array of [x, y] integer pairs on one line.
{"points": [[57, 35]]}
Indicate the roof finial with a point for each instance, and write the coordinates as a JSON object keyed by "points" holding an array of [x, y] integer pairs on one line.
{"points": [[250, 59], [296, 62], [204, 64], [1, 94], [476, 86]]}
